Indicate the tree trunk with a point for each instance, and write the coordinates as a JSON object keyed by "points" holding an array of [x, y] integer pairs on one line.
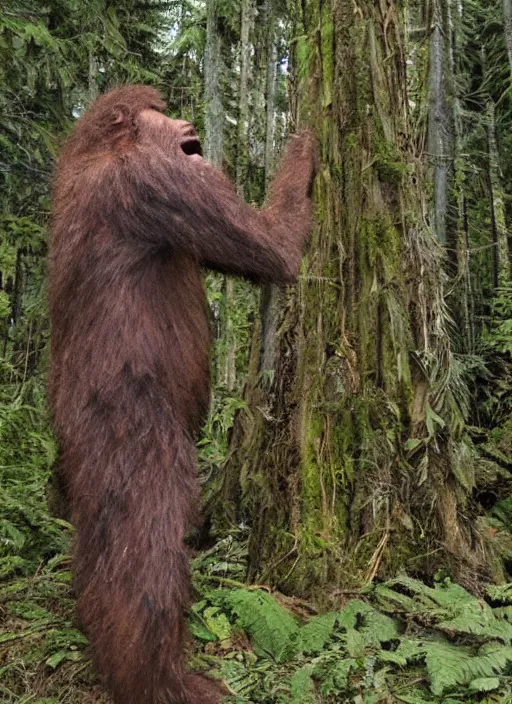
{"points": [[272, 296], [271, 55], [464, 299], [214, 152], [507, 17], [214, 114], [507, 22], [247, 20], [441, 138], [501, 265], [349, 462]]}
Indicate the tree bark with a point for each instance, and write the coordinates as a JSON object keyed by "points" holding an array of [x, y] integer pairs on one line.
{"points": [[501, 264], [214, 114], [246, 23], [214, 152], [507, 17], [341, 458], [441, 138], [272, 296]]}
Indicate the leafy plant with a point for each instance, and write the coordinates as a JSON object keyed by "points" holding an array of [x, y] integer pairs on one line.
{"points": [[399, 632]]}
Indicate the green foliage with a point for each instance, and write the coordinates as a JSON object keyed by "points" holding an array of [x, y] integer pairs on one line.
{"points": [[271, 627], [27, 453], [302, 686], [389, 162], [213, 445], [35, 600], [449, 666], [401, 641], [379, 647], [316, 633], [499, 337], [501, 593]]}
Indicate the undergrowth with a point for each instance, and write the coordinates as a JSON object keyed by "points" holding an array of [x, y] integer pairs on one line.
{"points": [[399, 641]]}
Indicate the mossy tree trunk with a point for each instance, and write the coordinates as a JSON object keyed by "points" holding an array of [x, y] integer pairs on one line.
{"points": [[214, 118], [441, 127], [507, 17], [350, 461], [501, 262]]}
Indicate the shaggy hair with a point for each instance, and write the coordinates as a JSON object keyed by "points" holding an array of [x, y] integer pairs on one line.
{"points": [[136, 214]]}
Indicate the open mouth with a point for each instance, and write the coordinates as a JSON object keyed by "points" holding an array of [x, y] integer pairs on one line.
{"points": [[192, 147]]}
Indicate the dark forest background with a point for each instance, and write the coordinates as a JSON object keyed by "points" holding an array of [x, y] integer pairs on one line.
{"points": [[356, 463]]}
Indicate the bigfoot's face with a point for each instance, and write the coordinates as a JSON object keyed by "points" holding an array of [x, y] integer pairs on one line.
{"points": [[177, 134]]}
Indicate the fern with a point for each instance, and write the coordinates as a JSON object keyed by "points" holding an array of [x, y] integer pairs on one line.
{"points": [[446, 595], [444, 665], [272, 629], [408, 651], [483, 624], [417, 697], [302, 687], [373, 627], [316, 633], [355, 643], [501, 593], [392, 600], [484, 684], [449, 665], [471, 616], [503, 612], [493, 660], [334, 673], [462, 642]]}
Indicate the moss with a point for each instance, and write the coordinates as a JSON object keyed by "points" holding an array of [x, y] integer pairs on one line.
{"points": [[303, 57], [323, 511], [389, 163], [311, 473], [380, 239], [326, 40], [352, 142]]}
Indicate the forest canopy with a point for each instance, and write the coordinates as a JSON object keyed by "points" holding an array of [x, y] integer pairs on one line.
{"points": [[356, 533]]}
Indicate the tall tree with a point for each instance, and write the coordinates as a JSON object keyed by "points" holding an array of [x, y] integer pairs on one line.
{"points": [[501, 262], [272, 296], [246, 25], [441, 127], [214, 152], [214, 113], [351, 460], [507, 15]]}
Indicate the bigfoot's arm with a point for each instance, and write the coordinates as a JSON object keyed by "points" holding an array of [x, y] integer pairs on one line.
{"points": [[189, 205]]}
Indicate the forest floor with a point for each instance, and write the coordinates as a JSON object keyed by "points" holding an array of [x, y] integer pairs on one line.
{"points": [[398, 641]]}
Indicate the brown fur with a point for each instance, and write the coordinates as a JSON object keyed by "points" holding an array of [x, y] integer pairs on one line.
{"points": [[134, 219]]}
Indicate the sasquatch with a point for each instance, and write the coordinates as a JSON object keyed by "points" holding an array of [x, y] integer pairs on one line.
{"points": [[136, 214]]}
